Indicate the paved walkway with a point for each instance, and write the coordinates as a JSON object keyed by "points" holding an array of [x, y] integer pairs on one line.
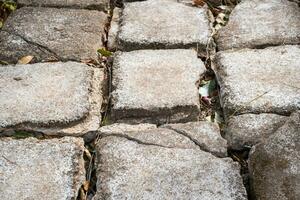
{"points": [[155, 147]]}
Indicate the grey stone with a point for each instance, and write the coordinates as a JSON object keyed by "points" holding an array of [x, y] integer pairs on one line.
{"points": [[205, 134], [259, 81], [275, 164], [53, 98], [48, 33], [89, 4], [156, 24], [260, 23], [129, 170], [156, 84], [113, 30], [244, 131], [119, 128], [149, 134], [41, 169]]}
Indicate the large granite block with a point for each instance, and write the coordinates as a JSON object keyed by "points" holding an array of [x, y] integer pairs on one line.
{"points": [[52, 34], [259, 81], [156, 84], [261, 23], [156, 24], [54, 98], [41, 169]]}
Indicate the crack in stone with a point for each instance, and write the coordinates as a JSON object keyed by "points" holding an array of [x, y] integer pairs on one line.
{"points": [[136, 140], [185, 134], [41, 47]]}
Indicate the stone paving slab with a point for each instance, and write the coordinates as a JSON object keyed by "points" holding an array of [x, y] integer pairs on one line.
{"points": [[156, 84], [244, 131], [157, 136], [129, 170], [193, 135], [41, 169], [260, 23], [88, 4], [47, 33], [54, 98], [259, 81], [156, 24], [205, 134], [274, 165]]}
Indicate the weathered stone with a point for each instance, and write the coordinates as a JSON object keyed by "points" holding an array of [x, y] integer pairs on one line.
{"points": [[89, 4], [246, 130], [275, 164], [129, 170], [48, 33], [54, 98], [119, 128], [41, 169], [113, 31], [156, 24], [205, 134], [260, 23], [156, 84], [259, 81], [155, 136]]}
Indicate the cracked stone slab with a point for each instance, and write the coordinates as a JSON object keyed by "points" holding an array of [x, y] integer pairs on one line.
{"points": [[41, 169], [62, 34], [129, 170], [259, 81], [244, 131], [204, 134], [260, 23], [53, 98], [274, 165], [87, 4], [156, 24], [158, 85], [149, 134]]}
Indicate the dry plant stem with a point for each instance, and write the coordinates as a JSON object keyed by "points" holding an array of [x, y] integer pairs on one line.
{"points": [[248, 103]]}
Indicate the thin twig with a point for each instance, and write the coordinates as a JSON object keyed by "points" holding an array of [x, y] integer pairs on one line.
{"points": [[248, 103]]}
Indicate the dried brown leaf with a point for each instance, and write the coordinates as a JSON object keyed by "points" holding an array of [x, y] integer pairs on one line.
{"points": [[199, 3], [25, 60]]}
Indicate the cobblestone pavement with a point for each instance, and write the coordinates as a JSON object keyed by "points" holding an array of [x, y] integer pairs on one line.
{"points": [[77, 124]]}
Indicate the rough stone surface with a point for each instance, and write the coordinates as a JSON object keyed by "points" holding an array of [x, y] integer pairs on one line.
{"points": [[246, 130], [90, 4], [48, 33], [259, 23], [275, 164], [50, 95], [259, 81], [113, 31], [158, 136], [118, 128], [158, 84], [156, 24], [41, 169], [205, 134], [129, 170]]}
